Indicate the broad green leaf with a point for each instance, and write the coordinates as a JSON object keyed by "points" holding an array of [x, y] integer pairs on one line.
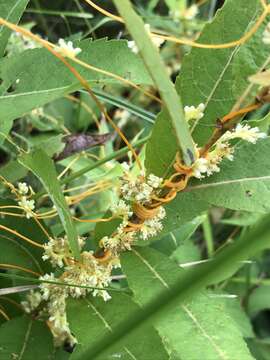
{"points": [[23, 338], [158, 72], [218, 78], [241, 184], [190, 282], [92, 318], [240, 317], [246, 180], [259, 348], [14, 253], [13, 171], [10, 10], [202, 326], [35, 88], [23, 253], [259, 299], [177, 238], [43, 167]]}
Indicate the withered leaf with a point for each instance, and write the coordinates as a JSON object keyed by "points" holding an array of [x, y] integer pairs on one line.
{"points": [[76, 143]]}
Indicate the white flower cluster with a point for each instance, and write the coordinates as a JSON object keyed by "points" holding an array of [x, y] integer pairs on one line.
{"points": [[189, 14], [194, 113], [152, 227], [134, 190], [266, 35], [18, 43], [88, 275], [57, 250], [222, 149], [25, 192], [66, 49], [139, 189], [157, 41]]}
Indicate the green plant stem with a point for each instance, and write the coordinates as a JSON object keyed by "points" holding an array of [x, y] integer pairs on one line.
{"points": [[208, 236], [59, 283]]}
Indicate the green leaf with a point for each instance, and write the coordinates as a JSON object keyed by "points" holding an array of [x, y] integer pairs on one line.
{"points": [[92, 318], [191, 328], [190, 282], [16, 250], [158, 72], [178, 238], [246, 180], [36, 88], [12, 11], [23, 338], [218, 78], [241, 184], [259, 299], [215, 77], [43, 167]]}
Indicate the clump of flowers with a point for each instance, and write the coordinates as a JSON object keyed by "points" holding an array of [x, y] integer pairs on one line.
{"points": [[57, 250], [66, 49], [24, 192], [194, 113], [189, 14], [222, 149], [83, 276]]}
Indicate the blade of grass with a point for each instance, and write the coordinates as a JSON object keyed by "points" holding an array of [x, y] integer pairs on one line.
{"points": [[124, 104], [159, 74]]}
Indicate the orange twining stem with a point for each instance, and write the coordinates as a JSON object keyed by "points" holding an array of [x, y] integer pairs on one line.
{"points": [[83, 82], [5, 316], [243, 111], [93, 220], [14, 232], [105, 257], [191, 43], [17, 267]]}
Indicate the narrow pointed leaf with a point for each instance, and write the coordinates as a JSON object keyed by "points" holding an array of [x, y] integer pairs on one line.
{"points": [[160, 77], [43, 167]]}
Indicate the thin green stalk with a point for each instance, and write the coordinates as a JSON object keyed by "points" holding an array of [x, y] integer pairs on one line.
{"points": [[88, 168], [40, 281], [124, 104], [208, 236]]}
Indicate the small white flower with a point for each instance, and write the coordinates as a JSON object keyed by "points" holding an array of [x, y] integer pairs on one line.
{"points": [[157, 41], [194, 113], [200, 167], [37, 112], [28, 206], [191, 12], [244, 132], [23, 188], [154, 181], [67, 49], [152, 227], [57, 249], [121, 209], [133, 47], [33, 299], [266, 35]]}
